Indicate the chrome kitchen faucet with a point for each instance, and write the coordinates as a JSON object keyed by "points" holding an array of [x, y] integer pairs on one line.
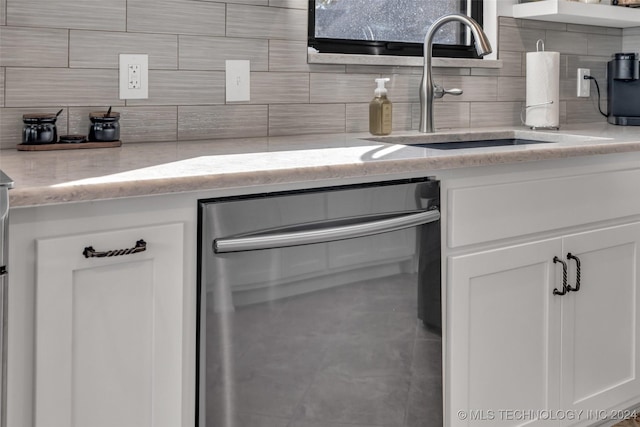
{"points": [[429, 91]]}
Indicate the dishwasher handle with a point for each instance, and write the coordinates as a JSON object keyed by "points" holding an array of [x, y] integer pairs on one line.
{"points": [[321, 235]]}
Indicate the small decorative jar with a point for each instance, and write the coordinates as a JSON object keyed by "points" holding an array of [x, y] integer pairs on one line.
{"points": [[105, 127], [39, 129]]}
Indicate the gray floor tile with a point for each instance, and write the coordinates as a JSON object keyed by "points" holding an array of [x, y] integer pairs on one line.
{"points": [[427, 359], [369, 358], [301, 355], [272, 393], [246, 420], [385, 325], [425, 403], [372, 401], [305, 423]]}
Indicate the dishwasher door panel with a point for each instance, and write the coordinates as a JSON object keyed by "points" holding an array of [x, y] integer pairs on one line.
{"points": [[320, 334]]}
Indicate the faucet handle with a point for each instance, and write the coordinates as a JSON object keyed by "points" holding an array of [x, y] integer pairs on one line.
{"points": [[454, 91], [439, 91]]}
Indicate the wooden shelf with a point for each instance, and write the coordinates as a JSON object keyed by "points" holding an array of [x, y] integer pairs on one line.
{"points": [[574, 12], [67, 146]]}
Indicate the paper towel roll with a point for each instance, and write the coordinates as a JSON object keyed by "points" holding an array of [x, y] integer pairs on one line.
{"points": [[543, 82]]}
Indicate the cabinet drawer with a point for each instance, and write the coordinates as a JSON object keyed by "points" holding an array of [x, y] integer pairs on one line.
{"points": [[492, 212]]}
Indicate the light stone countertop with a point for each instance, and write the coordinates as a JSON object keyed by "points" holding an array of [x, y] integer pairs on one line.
{"points": [[52, 177]]}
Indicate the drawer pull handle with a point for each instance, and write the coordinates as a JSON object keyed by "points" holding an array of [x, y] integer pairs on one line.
{"points": [[140, 246], [577, 260], [564, 277]]}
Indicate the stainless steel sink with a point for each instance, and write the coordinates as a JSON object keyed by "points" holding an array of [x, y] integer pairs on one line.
{"points": [[470, 140], [454, 145]]}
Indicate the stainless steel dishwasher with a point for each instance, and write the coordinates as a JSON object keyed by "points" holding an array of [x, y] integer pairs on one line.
{"points": [[321, 308]]}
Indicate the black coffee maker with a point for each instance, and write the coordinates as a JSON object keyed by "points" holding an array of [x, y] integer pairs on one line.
{"points": [[623, 90]]}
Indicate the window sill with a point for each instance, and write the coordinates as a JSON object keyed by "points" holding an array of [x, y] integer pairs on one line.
{"points": [[407, 61]]}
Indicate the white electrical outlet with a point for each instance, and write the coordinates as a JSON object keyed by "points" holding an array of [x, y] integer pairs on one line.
{"points": [[584, 85], [134, 76], [238, 80]]}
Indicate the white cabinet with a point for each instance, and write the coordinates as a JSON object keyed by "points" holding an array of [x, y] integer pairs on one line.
{"points": [[504, 330], [600, 334], [514, 345], [109, 330]]}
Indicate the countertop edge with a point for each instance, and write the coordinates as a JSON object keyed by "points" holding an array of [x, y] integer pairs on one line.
{"points": [[57, 194]]}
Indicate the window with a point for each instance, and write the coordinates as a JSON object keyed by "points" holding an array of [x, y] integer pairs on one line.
{"points": [[390, 27]]}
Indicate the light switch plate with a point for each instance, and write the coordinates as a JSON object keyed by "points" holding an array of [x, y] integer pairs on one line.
{"points": [[238, 79], [134, 76]]}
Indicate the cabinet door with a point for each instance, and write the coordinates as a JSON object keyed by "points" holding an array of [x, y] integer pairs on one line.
{"points": [[109, 330], [601, 337], [503, 335]]}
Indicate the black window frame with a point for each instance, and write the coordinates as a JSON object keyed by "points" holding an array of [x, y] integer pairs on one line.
{"points": [[367, 47]]}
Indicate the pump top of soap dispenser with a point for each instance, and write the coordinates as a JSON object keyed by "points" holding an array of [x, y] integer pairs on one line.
{"points": [[381, 90]]}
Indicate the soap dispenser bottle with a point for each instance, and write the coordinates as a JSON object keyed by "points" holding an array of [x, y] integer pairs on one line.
{"points": [[380, 110]]}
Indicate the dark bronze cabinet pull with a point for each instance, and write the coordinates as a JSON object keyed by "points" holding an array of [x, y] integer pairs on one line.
{"points": [[564, 276], [577, 260], [140, 246]]}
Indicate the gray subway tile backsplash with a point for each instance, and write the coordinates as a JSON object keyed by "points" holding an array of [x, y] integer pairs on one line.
{"points": [[253, 2], [583, 110], [210, 53], [631, 40], [279, 88], [207, 122], [603, 45], [37, 87], [101, 49], [544, 25], [66, 56], [511, 88], [1, 88], [332, 88], [183, 88], [34, 47], [266, 22], [447, 115], [474, 88], [517, 39], [291, 55], [566, 42], [495, 113], [306, 119], [292, 4], [512, 63], [137, 124], [79, 14], [402, 87], [175, 17], [148, 123]]}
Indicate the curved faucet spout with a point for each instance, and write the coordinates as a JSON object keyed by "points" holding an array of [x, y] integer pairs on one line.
{"points": [[483, 47]]}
